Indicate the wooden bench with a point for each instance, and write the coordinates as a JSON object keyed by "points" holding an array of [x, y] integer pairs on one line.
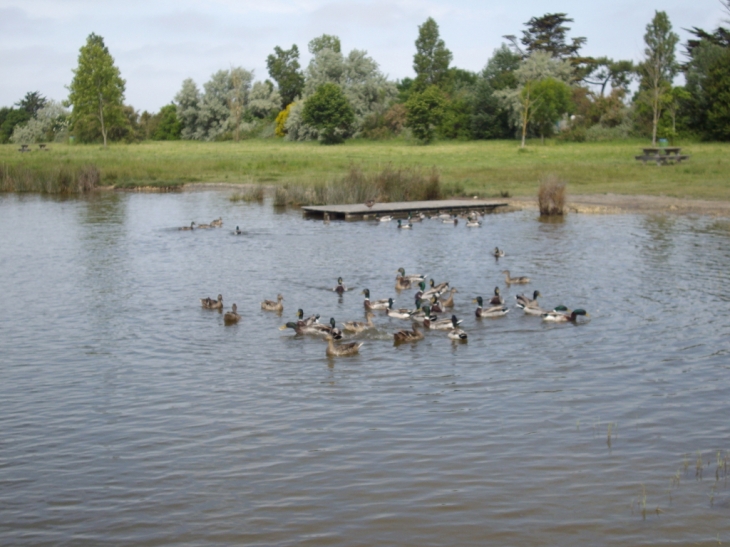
{"points": [[42, 146]]}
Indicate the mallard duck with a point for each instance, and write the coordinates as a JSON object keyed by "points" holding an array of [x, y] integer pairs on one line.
{"points": [[232, 316], [340, 288], [418, 218], [435, 290], [301, 328], [401, 283], [210, 304], [436, 306], [203, 226], [421, 311], [457, 335], [359, 326], [515, 280], [443, 216], [311, 320], [237, 231], [452, 220], [497, 253], [217, 223], [270, 305], [442, 324], [191, 227], [385, 218], [414, 278], [330, 329], [492, 311], [473, 223], [381, 304], [402, 226], [497, 299], [449, 301], [399, 313], [408, 335], [369, 203], [342, 350], [563, 315], [524, 301]]}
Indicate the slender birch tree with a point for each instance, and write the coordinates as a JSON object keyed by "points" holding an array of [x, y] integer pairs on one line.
{"points": [[658, 68]]}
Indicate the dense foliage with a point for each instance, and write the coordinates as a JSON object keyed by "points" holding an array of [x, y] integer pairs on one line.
{"points": [[537, 84]]}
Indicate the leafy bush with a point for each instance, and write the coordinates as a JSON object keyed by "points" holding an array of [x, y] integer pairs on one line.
{"points": [[330, 112]]}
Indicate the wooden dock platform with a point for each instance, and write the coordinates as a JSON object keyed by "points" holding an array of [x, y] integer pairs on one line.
{"points": [[401, 209]]}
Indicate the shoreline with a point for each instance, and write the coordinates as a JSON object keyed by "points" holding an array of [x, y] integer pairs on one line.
{"points": [[595, 204], [599, 204]]}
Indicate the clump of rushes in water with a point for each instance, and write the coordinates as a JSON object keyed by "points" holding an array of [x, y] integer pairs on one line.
{"points": [[551, 196], [608, 439], [53, 180], [698, 465], [249, 194]]}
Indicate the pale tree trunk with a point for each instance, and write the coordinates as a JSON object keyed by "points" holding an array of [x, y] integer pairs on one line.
{"points": [[101, 119], [525, 114]]}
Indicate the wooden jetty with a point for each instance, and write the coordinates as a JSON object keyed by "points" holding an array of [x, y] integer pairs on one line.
{"points": [[360, 211]]}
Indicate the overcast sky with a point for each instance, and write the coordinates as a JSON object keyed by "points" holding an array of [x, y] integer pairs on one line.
{"points": [[158, 43]]}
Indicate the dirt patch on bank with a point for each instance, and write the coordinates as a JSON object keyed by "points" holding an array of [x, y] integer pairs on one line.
{"points": [[615, 203]]}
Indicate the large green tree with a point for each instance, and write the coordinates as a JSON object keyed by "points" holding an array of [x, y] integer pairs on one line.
{"points": [[658, 68], [432, 59], [424, 112], [32, 102], [330, 112], [552, 100], [717, 87], [548, 33], [97, 89], [285, 70]]}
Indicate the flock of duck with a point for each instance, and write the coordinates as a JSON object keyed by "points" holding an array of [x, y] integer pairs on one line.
{"points": [[472, 219], [429, 300]]}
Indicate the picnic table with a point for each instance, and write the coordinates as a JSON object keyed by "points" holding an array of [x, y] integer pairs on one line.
{"points": [[23, 148], [663, 156]]}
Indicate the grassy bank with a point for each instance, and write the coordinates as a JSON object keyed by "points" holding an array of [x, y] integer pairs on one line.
{"points": [[484, 168]]}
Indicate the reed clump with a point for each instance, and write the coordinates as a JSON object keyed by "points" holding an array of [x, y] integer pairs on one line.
{"points": [[551, 196], [63, 179], [390, 184], [249, 194]]}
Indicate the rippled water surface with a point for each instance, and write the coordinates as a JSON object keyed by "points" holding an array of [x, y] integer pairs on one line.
{"points": [[131, 416]]}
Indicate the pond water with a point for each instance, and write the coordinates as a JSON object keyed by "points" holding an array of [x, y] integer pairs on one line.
{"points": [[129, 415]]}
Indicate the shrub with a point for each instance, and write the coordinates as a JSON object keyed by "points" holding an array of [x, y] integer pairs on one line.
{"points": [[551, 196]]}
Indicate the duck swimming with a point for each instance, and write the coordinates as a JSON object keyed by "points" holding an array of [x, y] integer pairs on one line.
{"points": [[492, 311], [515, 280], [342, 350], [412, 335], [381, 304], [270, 305], [210, 304], [232, 316]]}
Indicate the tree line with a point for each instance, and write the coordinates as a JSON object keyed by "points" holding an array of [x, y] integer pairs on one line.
{"points": [[536, 85]]}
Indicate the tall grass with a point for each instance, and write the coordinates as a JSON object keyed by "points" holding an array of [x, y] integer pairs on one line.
{"points": [[551, 196], [57, 179], [390, 184], [249, 194]]}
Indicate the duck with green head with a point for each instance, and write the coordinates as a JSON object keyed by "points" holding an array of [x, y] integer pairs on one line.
{"points": [[491, 311], [381, 304], [561, 314]]}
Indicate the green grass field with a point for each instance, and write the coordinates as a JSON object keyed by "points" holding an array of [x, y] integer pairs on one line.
{"points": [[484, 168]]}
